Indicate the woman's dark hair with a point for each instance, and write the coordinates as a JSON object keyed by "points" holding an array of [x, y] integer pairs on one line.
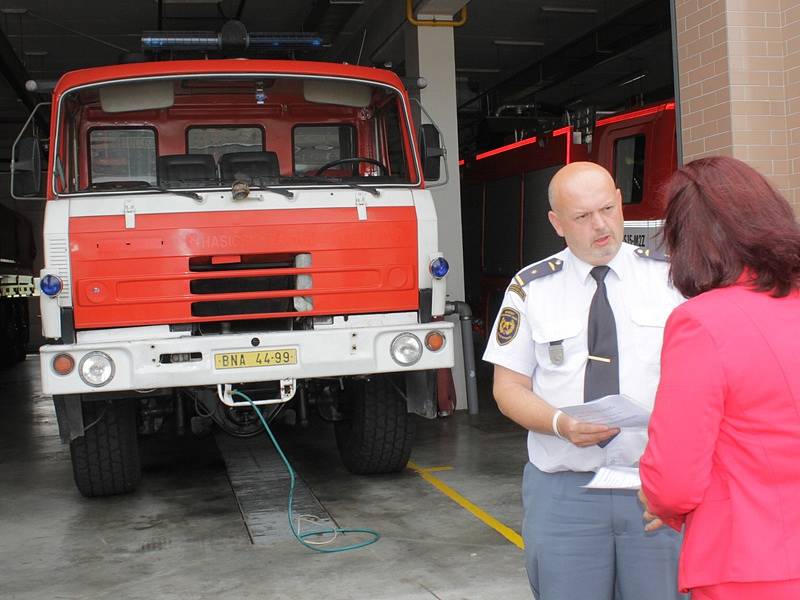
{"points": [[724, 219]]}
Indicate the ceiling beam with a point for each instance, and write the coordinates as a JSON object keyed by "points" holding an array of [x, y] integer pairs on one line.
{"points": [[16, 74], [608, 41]]}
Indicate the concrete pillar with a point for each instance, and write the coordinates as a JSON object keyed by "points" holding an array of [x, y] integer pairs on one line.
{"points": [[429, 53], [739, 75]]}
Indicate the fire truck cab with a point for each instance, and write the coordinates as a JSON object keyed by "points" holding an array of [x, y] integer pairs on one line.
{"points": [[238, 225], [505, 203]]}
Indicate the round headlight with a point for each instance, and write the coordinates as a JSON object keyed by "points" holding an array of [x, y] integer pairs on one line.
{"points": [[439, 267], [406, 349], [51, 285], [96, 369]]}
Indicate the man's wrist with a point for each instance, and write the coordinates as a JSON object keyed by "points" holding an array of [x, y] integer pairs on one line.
{"points": [[554, 425]]}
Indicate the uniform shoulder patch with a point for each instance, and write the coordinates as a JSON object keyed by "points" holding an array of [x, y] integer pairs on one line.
{"points": [[507, 326], [542, 269], [517, 289], [652, 254]]}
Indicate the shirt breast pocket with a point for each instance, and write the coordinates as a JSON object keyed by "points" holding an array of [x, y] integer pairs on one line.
{"points": [[648, 331], [560, 345]]}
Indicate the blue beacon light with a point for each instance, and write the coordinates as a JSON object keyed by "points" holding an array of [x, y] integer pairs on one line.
{"points": [[439, 267], [51, 285]]}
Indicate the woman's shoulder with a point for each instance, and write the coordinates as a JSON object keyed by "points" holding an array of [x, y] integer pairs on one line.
{"points": [[710, 307], [720, 305]]}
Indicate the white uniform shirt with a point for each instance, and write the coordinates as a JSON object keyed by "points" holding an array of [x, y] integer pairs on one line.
{"points": [[556, 308]]}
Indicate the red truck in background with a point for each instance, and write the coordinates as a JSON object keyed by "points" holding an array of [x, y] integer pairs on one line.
{"points": [[504, 194], [17, 284], [260, 226]]}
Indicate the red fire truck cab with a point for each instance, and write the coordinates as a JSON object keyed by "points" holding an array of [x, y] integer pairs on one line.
{"points": [[504, 193], [237, 225]]}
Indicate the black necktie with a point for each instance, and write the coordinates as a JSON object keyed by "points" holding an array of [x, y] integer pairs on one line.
{"points": [[602, 368]]}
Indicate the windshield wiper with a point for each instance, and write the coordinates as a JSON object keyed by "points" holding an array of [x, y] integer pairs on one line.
{"points": [[278, 190], [140, 186], [193, 195], [241, 187], [336, 181]]}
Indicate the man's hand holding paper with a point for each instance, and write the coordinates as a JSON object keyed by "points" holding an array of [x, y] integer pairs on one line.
{"points": [[602, 419], [617, 410]]}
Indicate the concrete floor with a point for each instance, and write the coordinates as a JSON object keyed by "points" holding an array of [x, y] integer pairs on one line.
{"points": [[181, 535]]}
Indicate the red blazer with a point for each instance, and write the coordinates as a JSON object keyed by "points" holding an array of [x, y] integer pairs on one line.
{"points": [[724, 448]]}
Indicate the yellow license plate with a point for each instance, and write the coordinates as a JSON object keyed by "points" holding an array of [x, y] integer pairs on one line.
{"points": [[258, 358]]}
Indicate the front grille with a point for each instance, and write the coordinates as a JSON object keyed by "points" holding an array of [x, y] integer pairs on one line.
{"points": [[221, 308], [204, 264], [230, 279], [234, 285]]}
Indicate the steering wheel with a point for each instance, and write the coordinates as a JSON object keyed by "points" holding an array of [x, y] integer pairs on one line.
{"points": [[353, 160]]}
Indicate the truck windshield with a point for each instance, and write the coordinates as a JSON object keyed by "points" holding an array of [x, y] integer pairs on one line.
{"points": [[196, 133]]}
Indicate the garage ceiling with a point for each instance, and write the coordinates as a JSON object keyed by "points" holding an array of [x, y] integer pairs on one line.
{"points": [[517, 61]]}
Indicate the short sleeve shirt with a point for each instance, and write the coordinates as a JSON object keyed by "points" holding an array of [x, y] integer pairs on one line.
{"points": [[541, 332]]}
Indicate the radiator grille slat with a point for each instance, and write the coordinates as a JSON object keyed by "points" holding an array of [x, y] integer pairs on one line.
{"points": [[238, 283], [240, 307]]}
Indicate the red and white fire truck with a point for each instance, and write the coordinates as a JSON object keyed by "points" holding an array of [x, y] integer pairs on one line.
{"points": [[261, 226], [504, 193]]}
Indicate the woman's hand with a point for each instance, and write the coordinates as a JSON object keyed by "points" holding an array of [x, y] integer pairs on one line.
{"points": [[652, 522]]}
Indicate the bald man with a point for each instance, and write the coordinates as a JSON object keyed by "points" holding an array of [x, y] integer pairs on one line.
{"points": [[582, 324]]}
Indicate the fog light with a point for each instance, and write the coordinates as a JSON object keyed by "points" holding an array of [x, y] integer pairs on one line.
{"points": [[406, 349], [96, 369], [63, 364], [434, 341], [51, 285]]}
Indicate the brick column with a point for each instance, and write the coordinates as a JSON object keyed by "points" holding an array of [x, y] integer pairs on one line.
{"points": [[739, 74], [790, 21]]}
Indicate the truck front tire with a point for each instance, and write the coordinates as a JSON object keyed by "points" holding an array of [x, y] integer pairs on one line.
{"points": [[105, 460], [377, 433]]}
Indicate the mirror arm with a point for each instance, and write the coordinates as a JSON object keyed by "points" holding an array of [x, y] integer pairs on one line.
{"points": [[14, 153], [443, 149]]}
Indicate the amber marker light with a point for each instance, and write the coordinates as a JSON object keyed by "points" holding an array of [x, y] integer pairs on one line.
{"points": [[63, 364], [434, 341]]}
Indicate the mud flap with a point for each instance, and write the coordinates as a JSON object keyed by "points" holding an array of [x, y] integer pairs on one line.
{"points": [[70, 416], [421, 393]]}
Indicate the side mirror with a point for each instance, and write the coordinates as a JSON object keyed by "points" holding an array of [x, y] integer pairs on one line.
{"points": [[26, 168], [431, 151]]}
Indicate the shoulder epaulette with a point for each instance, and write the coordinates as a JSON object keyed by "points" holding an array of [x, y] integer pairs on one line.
{"points": [[652, 254], [517, 289], [542, 269]]}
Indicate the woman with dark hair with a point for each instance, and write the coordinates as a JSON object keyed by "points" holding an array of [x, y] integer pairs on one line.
{"points": [[723, 456]]}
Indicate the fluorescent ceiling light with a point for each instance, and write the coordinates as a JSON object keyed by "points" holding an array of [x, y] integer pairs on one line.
{"points": [[476, 70], [517, 43], [188, 1], [576, 10], [631, 78]]}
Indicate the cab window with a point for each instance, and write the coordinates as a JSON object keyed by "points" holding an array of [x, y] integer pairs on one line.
{"points": [[122, 155], [318, 145], [629, 168], [223, 140]]}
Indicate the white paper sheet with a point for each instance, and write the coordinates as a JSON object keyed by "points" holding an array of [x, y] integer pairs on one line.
{"points": [[615, 478], [617, 410]]}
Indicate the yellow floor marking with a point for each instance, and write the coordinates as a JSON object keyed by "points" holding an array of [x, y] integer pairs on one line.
{"points": [[436, 469], [508, 533]]}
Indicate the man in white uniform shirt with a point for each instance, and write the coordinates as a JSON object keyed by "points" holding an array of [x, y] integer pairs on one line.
{"points": [[584, 323]]}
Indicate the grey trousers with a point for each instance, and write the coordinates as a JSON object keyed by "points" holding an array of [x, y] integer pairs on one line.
{"points": [[591, 545]]}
